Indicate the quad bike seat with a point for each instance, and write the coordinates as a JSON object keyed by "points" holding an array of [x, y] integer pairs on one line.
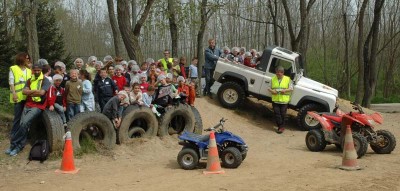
{"points": [[333, 117], [200, 138]]}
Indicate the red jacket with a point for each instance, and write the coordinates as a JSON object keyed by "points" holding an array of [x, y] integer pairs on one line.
{"points": [[247, 62], [52, 96], [120, 81], [184, 89]]}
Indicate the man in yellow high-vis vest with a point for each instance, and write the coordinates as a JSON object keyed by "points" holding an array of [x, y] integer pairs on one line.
{"points": [[19, 74], [281, 88], [166, 60]]}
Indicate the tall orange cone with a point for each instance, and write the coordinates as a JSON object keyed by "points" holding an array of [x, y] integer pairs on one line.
{"points": [[349, 160], [67, 164], [213, 164]]}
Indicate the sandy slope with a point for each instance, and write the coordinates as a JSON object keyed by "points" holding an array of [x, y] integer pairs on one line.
{"points": [[274, 162]]}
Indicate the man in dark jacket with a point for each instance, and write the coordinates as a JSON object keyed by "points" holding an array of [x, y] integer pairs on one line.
{"points": [[212, 55], [105, 88]]}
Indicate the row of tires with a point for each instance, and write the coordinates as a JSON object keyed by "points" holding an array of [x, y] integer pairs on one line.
{"points": [[136, 122]]}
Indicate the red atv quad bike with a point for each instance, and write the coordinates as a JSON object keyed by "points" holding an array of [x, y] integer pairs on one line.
{"points": [[362, 126]]}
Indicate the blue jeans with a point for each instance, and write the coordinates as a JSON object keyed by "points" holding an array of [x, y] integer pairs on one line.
{"points": [[60, 110], [21, 134], [209, 80], [18, 108], [73, 109]]}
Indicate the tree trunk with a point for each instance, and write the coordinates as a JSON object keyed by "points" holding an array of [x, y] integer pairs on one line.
{"points": [[200, 38], [173, 28], [134, 12], [346, 50], [371, 44], [131, 37], [360, 59], [29, 13], [273, 12], [114, 27]]}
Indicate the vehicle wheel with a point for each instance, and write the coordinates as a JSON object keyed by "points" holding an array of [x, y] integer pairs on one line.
{"points": [[231, 95], [48, 126], [360, 144], [188, 158], [198, 125], [94, 123], [315, 140], [135, 116], [176, 119], [305, 121], [387, 143], [231, 157], [136, 132], [244, 155]]}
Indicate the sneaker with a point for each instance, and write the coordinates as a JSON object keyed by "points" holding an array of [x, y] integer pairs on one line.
{"points": [[15, 152], [280, 130], [8, 151]]}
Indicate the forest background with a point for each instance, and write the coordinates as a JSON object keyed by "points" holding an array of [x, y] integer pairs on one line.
{"points": [[351, 45]]}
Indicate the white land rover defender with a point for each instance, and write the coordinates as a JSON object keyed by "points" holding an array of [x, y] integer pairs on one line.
{"points": [[239, 81]]}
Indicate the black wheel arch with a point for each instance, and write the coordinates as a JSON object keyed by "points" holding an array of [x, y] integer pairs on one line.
{"points": [[310, 99]]}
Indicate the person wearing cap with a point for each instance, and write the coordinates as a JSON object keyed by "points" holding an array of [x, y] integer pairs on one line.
{"points": [[165, 92], [104, 88], [56, 99], [248, 60], [281, 87], [125, 72], [109, 60], [35, 89], [78, 64], [111, 108], [118, 78], [169, 78], [135, 74], [18, 76]]}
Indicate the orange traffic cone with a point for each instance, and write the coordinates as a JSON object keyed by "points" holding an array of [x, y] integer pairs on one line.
{"points": [[349, 161], [213, 164], [67, 164]]}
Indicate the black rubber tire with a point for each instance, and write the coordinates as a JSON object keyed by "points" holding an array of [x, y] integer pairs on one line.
{"points": [[302, 116], [235, 90], [244, 155], [188, 158], [181, 112], [99, 120], [48, 126], [231, 157], [315, 140], [388, 146], [129, 120], [136, 132], [198, 126], [360, 144]]}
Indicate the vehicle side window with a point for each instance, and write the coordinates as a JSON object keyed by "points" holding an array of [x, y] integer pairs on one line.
{"points": [[279, 62]]}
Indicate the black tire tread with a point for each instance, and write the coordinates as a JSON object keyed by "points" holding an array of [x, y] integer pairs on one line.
{"points": [[236, 153], [321, 143], [54, 128], [239, 89], [187, 150], [388, 149], [198, 126], [303, 112], [170, 112]]}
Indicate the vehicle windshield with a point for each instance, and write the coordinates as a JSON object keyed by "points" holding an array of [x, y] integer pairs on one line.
{"points": [[298, 63]]}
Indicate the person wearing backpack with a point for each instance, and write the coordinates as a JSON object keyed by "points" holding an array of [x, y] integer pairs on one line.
{"points": [[35, 90]]}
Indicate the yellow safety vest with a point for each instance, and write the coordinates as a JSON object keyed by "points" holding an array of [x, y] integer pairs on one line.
{"points": [[282, 98], [164, 63], [36, 84], [20, 79]]}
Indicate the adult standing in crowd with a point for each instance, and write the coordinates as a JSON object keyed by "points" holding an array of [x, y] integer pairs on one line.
{"points": [[166, 60], [19, 74], [212, 55], [281, 87], [35, 90]]}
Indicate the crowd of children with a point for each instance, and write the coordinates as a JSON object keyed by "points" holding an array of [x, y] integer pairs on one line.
{"points": [[117, 84]]}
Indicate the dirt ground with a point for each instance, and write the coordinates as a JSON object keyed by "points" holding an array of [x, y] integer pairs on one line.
{"points": [[274, 162]]}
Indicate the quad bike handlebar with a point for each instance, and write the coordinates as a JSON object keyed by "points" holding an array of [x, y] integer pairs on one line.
{"points": [[220, 124]]}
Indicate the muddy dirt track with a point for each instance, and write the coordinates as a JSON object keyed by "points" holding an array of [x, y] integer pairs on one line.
{"points": [[274, 162]]}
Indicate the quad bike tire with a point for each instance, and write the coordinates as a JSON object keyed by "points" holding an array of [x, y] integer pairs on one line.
{"points": [[176, 119], [198, 126], [360, 144], [305, 121], [315, 140], [87, 119], [48, 126], [231, 157], [188, 158], [131, 115], [231, 95], [388, 145]]}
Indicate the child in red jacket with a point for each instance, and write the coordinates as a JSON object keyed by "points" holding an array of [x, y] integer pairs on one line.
{"points": [[56, 99]]}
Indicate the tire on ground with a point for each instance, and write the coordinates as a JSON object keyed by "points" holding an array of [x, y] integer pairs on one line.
{"points": [[136, 132], [315, 140], [176, 119], [231, 157], [135, 116], [198, 126], [105, 130], [188, 158], [388, 145], [48, 126], [360, 144], [231, 94], [305, 121]]}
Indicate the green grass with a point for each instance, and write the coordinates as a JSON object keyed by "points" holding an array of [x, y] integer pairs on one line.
{"points": [[88, 146], [6, 108]]}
